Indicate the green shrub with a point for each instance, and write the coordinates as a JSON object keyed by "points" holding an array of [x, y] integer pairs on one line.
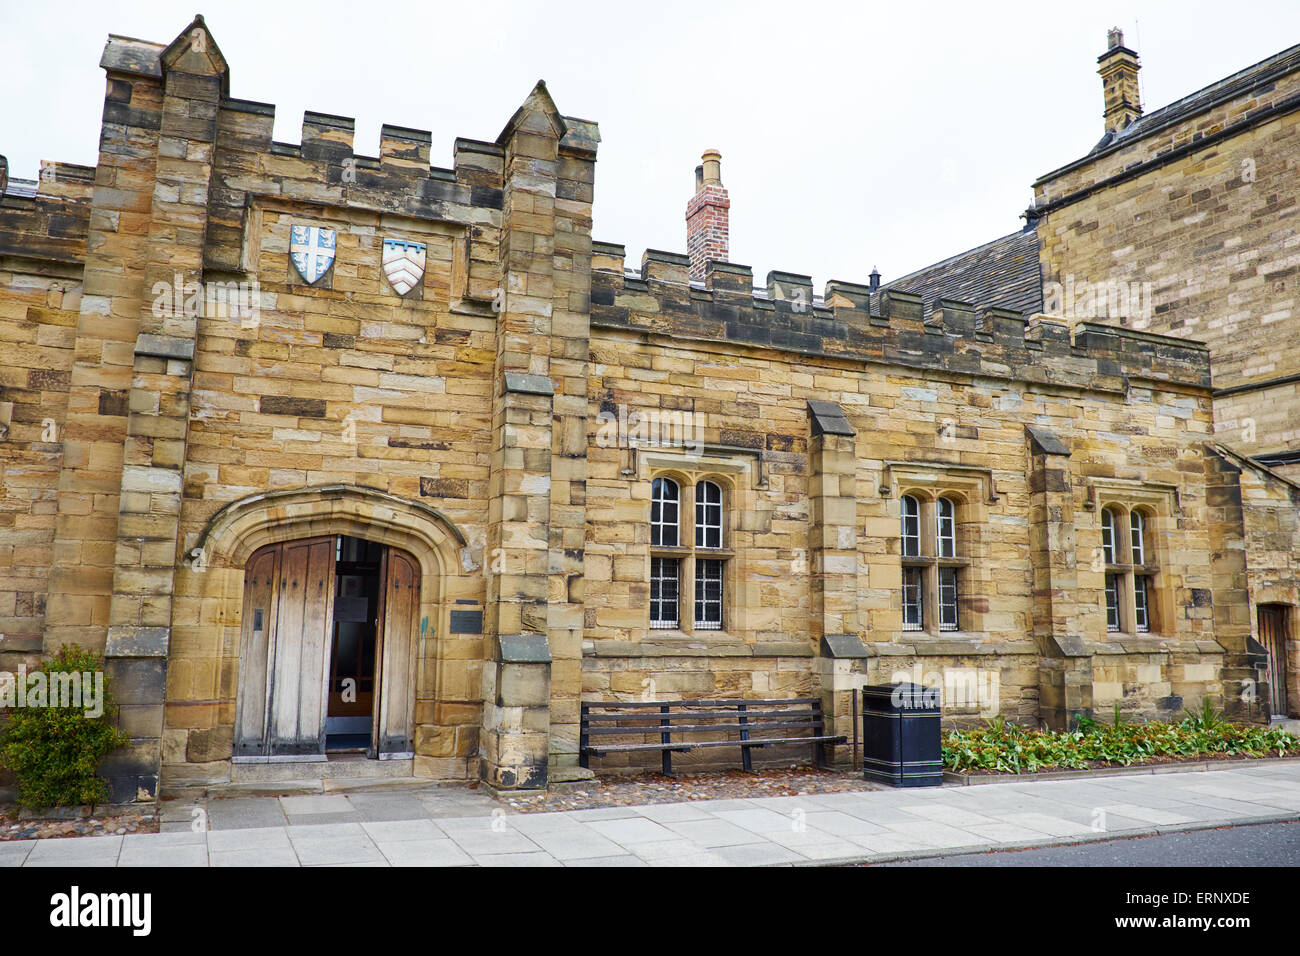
{"points": [[54, 751], [1007, 748]]}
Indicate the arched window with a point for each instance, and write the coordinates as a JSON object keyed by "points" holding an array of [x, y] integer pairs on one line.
{"points": [[665, 498], [1141, 582], [911, 527], [1108, 526], [665, 572], [708, 515], [688, 554], [946, 530], [1129, 569], [1138, 536], [932, 569]]}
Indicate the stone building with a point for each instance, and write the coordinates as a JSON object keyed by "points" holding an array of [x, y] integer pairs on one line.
{"points": [[1183, 221], [328, 453]]}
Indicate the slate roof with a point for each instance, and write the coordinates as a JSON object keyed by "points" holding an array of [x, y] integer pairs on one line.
{"points": [[1000, 274]]}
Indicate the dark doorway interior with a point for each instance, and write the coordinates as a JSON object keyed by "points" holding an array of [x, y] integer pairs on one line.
{"points": [[348, 724]]}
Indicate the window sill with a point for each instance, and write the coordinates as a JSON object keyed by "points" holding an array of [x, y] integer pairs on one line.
{"points": [[703, 644]]}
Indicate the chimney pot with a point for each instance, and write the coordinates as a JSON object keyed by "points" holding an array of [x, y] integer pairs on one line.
{"points": [[712, 160], [875, 279]]}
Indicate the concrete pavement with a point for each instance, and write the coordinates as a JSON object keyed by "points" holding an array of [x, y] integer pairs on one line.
{"points": [[454, 827]]}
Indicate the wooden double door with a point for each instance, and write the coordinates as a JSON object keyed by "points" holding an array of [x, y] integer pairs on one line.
{"points": [[327, 650]]}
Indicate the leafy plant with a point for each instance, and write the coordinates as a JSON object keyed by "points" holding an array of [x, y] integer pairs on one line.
{"points": [[54, 752], [1008, 748], [1208, 718]]}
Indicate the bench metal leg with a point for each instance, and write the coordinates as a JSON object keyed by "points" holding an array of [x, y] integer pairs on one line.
{"points": [[819, 755], [666, 737], [746, 761], [584, 739], [819, 729]]}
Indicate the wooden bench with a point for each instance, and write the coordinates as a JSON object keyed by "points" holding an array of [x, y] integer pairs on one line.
{"points": [[686, 725]]}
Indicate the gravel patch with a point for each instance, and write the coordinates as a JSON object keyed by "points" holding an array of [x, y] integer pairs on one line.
{"points": [[616, 791]]}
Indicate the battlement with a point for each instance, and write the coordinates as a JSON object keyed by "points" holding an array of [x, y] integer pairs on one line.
{"points": [[852, 322]]}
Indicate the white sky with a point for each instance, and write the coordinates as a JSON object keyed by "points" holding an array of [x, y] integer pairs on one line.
{"points": [[852, 135]]}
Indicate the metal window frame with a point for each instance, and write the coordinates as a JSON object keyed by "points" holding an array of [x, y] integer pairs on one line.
{"points": [[1142, 603], [1113, 603], [954, 604], [917, 602], [659, 602], [703, 602]]}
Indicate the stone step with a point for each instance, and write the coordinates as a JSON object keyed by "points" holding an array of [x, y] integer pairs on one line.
{"points": [[351, 766]]}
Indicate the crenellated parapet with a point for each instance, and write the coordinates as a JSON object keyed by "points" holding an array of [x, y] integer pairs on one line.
{"points": [[851, 321]]}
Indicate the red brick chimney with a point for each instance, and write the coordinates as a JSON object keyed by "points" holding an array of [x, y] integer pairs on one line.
{"points": [[706, 215]]}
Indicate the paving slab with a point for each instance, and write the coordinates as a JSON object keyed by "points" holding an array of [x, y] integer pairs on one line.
{"points": [[76, 851], [477, 837], [842, 824], [517, 859], [632, 830], [574, 844], [14, 852], [240, 813], [626, 859], [253, 838], [677, 852], [675, 812], [759, 854], [711, 832], [394, 831], [271, 856], [150, 854], [374, 807], [443, 852], [302, 806]]}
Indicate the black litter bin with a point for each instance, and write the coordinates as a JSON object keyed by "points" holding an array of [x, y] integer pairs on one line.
{"points": [[900, 735]]}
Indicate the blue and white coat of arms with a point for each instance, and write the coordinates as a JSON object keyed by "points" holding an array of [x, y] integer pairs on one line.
{"points": [[311, 248]]}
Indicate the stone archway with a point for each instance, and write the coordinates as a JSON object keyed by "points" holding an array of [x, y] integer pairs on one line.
{"points": [[214, 574]]}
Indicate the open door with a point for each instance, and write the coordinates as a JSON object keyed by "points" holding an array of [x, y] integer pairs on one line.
{"points": [[299, 662], [1272, 634], [327, 653], [394, 729]]}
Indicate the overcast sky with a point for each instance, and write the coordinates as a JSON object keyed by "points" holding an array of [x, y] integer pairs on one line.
{"points": [[852, 135]]}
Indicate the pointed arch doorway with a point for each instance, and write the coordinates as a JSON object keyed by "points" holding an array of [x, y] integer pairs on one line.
{"points": [[327, 650]]}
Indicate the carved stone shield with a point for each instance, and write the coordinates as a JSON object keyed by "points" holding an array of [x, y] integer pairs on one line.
{"points": [[311, 249], [403, 264]]}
